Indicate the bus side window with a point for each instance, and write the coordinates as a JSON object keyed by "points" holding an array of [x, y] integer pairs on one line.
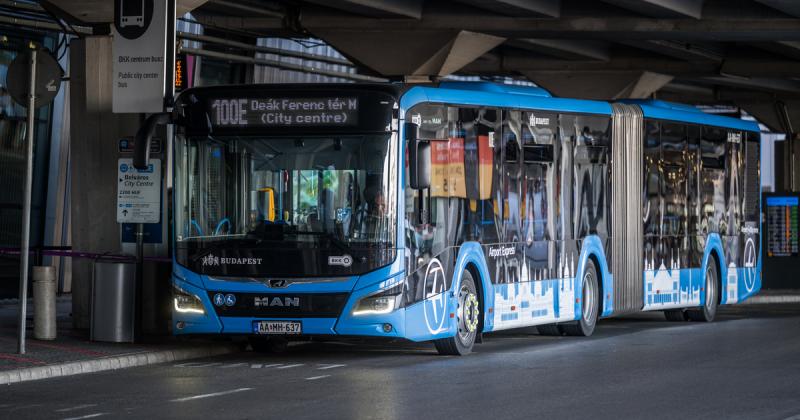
{"points": [[651, 198], [712, 178], [673, 234], [693, 203], [673, 147], [591, 158]]}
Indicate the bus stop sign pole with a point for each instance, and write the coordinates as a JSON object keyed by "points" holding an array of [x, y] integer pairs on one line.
{"points": [[33, 80], [26, 208]]}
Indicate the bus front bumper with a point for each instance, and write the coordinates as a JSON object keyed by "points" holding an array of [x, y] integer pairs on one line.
{"points": [[212, 322]]}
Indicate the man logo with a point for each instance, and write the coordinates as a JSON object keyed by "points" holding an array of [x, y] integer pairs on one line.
{"points": [[435, 305], [750, 260], [286, 302], [278, 283]]}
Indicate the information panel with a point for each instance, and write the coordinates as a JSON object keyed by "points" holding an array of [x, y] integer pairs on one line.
{"points": [[782, 226], [284, 112], [138, 192]]}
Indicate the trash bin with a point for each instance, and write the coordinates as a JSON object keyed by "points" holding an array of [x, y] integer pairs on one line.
{"points": [[113, 301]]}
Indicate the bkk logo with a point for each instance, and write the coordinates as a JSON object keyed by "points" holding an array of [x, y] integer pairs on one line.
{"points": [[342, 260], [435, 305], [750, 259]]}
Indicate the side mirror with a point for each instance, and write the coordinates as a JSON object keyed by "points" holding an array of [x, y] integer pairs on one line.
{"points": [[419, 158]]}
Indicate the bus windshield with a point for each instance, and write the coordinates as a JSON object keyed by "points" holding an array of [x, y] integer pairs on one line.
{"points": [[325, 205]]}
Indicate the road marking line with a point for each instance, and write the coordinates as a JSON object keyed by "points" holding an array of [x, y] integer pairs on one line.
{"points": [[232, 365], [272, 365], [88, 416], [213, 394], [324, 367], [77, 407], [256, 365], [196, 365], [314, 378], [289, 366]]}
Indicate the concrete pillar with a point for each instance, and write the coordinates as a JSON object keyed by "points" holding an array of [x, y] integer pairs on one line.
{"points": [[94, 131], [781, 116]]}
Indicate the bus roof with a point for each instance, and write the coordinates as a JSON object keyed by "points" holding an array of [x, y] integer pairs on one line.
{"points": [[495, 94], [664, 110]]}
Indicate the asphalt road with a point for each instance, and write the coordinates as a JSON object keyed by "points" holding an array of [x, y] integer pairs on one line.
{"points": [[745, 365]]}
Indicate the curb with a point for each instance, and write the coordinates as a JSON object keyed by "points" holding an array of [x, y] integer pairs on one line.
{"points": [[112, 363], [763, 299]]}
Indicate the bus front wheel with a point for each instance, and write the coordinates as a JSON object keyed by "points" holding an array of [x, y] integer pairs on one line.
{"points": [[468, 316]]}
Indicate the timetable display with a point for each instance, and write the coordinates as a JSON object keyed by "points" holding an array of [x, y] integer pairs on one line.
{"points": [[284, 112], [782, 228]]}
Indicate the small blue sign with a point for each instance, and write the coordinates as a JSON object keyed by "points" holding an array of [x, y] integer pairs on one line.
{"points": [[123, 168], [783, 201], [219, 299], [230, 299]]}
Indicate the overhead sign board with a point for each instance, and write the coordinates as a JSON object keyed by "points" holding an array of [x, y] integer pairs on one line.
{"points": [[284, 112], [139, 50], [138, 192]]}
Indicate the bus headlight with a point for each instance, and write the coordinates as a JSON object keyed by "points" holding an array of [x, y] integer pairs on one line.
{"points": [[381, 302], [185, 302]]}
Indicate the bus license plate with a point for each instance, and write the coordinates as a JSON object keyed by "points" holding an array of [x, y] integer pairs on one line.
{"points": [[277, 327]]}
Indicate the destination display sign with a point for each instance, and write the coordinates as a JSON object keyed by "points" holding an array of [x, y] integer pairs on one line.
{"points": [[284, 112]]}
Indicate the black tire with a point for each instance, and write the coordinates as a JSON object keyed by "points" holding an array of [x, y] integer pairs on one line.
{"points": [[590, 299], [549, 329], [268, 345], [676, 315], [468, 317], [708, 311]]}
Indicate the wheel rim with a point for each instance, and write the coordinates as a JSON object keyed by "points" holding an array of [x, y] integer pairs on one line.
{"points": [[468, 313], [711, 291], [589, 298]]}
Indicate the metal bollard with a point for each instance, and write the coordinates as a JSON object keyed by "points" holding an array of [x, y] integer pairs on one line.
{"points": [[44, 302]]}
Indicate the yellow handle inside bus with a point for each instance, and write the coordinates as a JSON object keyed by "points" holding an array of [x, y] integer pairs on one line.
{"points": [[269, 210]]}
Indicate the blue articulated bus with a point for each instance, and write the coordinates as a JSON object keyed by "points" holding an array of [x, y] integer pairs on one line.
{"points": [[442, 212]]}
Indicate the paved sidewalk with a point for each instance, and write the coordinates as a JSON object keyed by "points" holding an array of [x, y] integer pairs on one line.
{"points": [[775, 296], [72, 352]]}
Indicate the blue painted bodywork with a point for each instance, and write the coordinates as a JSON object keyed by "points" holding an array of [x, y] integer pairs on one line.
{"points": [[653, 108], [433, 318]]}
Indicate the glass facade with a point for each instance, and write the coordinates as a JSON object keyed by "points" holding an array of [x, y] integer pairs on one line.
{"points": [[13, 136]]}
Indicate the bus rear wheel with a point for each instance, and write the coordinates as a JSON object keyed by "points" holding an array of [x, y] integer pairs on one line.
{"points": [[468, 317], [709, 309], [590, 304]]}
